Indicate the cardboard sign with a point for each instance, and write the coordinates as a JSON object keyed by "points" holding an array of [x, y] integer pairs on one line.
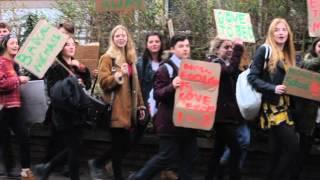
{"points": [[314, 17], [88, 55], [303, 83], [41, 48], [170, 28], [234, 25], [34, 102], [118, 5], [196, 98]]}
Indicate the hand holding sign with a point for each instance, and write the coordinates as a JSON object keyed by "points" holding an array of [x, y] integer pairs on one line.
{"points": [[196, 97], [176, 82], [303, 83]]}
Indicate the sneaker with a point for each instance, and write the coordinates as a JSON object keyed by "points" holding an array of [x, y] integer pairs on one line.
{"points": [[29, 176], [95, 172]]}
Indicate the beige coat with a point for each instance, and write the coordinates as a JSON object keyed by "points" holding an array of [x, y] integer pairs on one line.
{"points": [[126, 100]]}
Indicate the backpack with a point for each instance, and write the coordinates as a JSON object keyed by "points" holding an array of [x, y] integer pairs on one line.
{"points": [[173, 72], [248, 99]]}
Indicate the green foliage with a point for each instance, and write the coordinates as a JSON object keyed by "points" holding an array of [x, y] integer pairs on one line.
{"points": [[30, 22], [193, 17]]}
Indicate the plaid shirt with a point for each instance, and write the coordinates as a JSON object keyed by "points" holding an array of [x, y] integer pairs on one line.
{"points": [[9, 84]]}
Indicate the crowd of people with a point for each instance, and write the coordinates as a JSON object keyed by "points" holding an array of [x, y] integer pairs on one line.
{"points": [[130, 82]]}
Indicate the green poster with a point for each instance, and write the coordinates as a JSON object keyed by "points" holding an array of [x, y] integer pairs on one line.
{"points": [[41, 48], [234, 25]]}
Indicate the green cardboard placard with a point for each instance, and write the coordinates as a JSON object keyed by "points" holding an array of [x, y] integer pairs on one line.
{"points": [[41, 48], [196, 98], [314, 17], [303, 83], [118, 5], [233, 25]]}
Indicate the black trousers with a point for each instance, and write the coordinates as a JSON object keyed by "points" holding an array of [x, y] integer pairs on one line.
{"points": [[11, 121], [71, 152], [284, 147], [305, 143], [226, 135], [120, 147]]}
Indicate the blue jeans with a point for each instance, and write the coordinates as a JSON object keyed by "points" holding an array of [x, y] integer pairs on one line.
{"points": [[172, 149], [243, 135]]}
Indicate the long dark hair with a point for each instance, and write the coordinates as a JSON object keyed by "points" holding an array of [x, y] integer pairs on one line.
{"points": [[147, 54], [313, 47]]}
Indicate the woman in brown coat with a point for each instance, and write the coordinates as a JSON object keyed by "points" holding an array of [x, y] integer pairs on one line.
{"points": [[118, 75]]}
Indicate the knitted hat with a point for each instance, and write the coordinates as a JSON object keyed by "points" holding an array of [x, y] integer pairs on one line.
{"points": [[4, 42]]}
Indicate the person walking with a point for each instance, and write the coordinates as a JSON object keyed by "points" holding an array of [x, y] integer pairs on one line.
{"points": [[267, 77], [118, 76]]}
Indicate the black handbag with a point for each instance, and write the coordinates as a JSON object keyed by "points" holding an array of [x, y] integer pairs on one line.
{"points": [[100, 112]]}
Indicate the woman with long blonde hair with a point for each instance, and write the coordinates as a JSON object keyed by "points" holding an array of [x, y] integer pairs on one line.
{"points": [[267, 75], [118, 76]]}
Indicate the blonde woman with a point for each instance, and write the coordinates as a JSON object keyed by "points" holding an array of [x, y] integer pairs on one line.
{"points": [[284, 143], [122, 80]]}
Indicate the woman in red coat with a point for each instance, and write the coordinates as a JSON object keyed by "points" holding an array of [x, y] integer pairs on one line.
{"points": [[10, 102]]}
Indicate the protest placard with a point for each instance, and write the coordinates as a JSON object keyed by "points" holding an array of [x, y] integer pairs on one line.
{"points": [[303, 83], [118, 5], [41, 48], [314, 17], [233, 25], [196, 98], [170, 28], [88, 55]]}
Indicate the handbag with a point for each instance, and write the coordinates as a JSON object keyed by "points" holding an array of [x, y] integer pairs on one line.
{"points": [[100, 111], [248, 99]]}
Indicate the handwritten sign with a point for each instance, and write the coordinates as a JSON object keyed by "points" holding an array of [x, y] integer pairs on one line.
{"points": [[118, 5], [234, 25], [41, 48], [314, 17], [303, 83], [170, 28], [196, 98], [88, 55]]}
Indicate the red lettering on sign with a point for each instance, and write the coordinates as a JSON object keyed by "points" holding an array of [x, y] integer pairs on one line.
{"points": [[180, 118], [315, 12], [202, 78], [315, 26], [314, 4], [204, 121], [315, 89], [199, 107], [185, 85], [200, 102], [192, 67]]}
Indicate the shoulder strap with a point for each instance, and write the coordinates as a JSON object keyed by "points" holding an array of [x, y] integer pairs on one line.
{"points": [[267, 55], [96, 79], [268, 52], [172, 69]]}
